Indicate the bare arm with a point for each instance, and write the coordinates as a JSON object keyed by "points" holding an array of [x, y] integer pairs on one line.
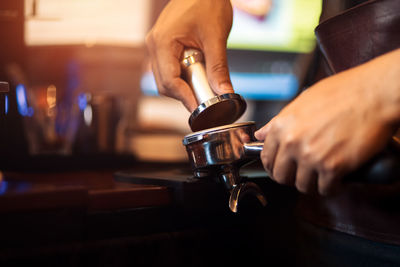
{"points": [[334, 126]]}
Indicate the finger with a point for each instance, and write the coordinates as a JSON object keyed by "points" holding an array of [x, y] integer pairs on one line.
{"points": [[306, 179], [284, 170], [217, 66], [261, 133], [268, 154], [169, 74], [328, 184]]}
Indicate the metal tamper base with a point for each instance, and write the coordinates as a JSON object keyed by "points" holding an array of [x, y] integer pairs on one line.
{"points": [[217, 111], [214, 110]]}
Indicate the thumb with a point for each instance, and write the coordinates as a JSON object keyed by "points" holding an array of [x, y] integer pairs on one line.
{"points": [[217, 67]]}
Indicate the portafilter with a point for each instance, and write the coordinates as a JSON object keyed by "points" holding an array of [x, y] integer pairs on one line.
{"points": [[221, 152], [218, 148]]}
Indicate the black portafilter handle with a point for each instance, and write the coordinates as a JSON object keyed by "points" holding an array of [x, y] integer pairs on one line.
{"points": [[383, 168]]}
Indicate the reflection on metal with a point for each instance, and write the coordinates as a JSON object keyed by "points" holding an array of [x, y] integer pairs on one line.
{"points": [[213, 110], [51, 96], [222, 151], [6, 104], [82, 100], [3, 187], [242, 190], [88, 115], [22, 101], [4, 87]]}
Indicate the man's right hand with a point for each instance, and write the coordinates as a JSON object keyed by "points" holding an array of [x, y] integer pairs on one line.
{"points": [[201, 24]]}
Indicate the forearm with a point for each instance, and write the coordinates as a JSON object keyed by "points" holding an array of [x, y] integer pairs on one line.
{"points": [[381, 77]]}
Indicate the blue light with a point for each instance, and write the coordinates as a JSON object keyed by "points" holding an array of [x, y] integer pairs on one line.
{"points": [[82, 101], [265, 86], [22, 102], [3, 187], [6, 104], [148, 84], [255, 86]]}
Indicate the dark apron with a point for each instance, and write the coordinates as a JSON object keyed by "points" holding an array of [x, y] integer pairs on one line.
{"points": [[347, 40]]}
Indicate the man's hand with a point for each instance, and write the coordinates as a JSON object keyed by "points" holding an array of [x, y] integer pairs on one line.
{"points": [[334, 126], [201, 24]]}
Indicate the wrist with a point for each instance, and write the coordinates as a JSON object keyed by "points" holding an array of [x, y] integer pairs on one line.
{"points": [[382, 78]]}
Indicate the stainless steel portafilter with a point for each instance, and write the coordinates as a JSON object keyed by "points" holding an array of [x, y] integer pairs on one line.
{"points": [[221, 152], [213, 110]]}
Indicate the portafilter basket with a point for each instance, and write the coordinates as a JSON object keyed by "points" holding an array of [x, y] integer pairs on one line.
{"points": [[221, 152]]}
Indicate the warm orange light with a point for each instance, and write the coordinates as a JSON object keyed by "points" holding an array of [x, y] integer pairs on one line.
{"points": [[87, 22], [51, 96]]}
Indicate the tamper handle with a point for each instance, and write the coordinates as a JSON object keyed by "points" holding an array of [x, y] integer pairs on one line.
{"points": [[195, 74]]}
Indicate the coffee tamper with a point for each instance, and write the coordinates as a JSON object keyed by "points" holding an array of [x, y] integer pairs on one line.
{"points": [[213, 110]]}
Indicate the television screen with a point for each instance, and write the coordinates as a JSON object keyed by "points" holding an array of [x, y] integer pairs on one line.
{"points": [[274, 25]]}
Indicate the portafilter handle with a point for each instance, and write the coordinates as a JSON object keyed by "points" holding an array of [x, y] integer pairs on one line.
{"points": [[253, 149], [383, 168]]}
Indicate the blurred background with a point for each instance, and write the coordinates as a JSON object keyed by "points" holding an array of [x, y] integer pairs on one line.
{"points": [[81, 86]]}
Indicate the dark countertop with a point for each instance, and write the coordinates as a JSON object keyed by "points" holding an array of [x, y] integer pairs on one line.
{"points": [[88, 189], [72, 215]]}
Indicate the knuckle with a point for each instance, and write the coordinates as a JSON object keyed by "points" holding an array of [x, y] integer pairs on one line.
{"points": [[276, 125], [168, 84], [308, 156], [289, 141], [330, 166], [219, 67]]}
